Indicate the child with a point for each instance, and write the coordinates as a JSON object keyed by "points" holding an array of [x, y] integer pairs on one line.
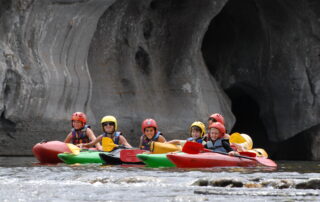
{"points": [[80, 132], [109, 126], [216, 142], [216, 117], [150, 133], [197, 130]]}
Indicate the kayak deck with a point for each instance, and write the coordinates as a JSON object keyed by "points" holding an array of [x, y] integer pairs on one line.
{"points": [[156, 160], [209, 159], [82, 158]]}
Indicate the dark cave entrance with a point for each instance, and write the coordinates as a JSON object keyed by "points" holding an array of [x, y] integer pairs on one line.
{"points": [[246, 111], [235, 50], [230, 49]]}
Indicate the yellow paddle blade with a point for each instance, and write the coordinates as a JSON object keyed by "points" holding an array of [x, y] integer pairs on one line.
{"points": [[73, 148], [161, 148], [260, 152], [242, 139], [108, 144]]}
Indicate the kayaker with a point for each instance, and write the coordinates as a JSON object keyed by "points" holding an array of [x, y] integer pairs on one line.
{"points": [[109, 127], [197, 130], [216, 141], [80, 132], [216, 117], [150, 133]]}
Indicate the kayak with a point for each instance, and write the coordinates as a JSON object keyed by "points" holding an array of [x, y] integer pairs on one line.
{"points": [[210, 159], [121, 156], [46, 152], [83, 157], [156, 160]]}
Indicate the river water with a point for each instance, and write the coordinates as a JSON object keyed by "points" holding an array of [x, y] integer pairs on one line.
{"points": [[21, 179]]}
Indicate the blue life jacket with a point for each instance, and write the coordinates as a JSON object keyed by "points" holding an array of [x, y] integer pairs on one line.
{"points": [[116, 137], [216, 146], [146, 141], [199, 140], [80, 136]]}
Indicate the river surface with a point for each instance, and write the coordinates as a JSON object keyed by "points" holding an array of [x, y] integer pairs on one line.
{"points": [[22, 179]]}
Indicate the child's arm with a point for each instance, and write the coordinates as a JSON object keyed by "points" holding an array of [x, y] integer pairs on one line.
{"points": [[161, 139], [227, 146], [92, 137], [124, 142], [68, 138], [93, 142], [174, 142]]}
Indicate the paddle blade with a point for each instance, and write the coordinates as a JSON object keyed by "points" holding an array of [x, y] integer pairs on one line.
{"points": [[260, 152], [161, 148], [192, 148], [248, 153], [107, 144], [73, 148], [130, 155]]}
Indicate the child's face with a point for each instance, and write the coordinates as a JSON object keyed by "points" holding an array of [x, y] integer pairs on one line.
{"points": [[77, 124], [149, 132], [210, 121], [108, 127], [195, 133], [214, 133]]}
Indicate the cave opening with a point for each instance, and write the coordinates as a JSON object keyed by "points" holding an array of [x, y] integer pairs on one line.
{"points": [[230, 49], [246, 110]]}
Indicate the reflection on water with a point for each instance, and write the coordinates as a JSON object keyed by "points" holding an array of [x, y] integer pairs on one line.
{"points": [[21, 179]]}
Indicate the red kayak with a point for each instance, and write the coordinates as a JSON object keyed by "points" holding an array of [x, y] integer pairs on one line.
{"points": [[46, 152], [209, 159]]}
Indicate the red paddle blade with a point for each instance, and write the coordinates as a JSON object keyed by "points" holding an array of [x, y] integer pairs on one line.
{"points": [[192, 147], [247, 153], [129, 155]]}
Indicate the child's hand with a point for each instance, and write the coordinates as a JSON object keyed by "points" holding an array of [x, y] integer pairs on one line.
{"points": [[80, 145], [239, 147], [233, 153]]}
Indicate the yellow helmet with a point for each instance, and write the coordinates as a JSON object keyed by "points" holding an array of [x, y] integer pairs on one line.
{"points": [[110, 119], [243, 139], [200, 125]]}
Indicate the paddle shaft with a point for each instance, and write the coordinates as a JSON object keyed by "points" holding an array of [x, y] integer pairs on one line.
{"points": [[240, 156]]}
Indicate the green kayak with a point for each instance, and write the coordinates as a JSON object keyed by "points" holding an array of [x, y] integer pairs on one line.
{"points": [[83, 157], [156, 160]]}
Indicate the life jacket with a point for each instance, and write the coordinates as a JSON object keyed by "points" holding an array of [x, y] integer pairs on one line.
{"points": [[80, 136], [198, 140], [146, 141], [216, 146], [116, 137]]}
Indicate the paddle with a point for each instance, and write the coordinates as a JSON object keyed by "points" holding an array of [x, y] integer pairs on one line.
{"points": [[108, 144], [73, 148], [195, 148], [129, 155]]}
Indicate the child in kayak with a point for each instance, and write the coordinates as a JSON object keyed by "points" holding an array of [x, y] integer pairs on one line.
{"points": [[150, 134], [216, 117], [216, 141], [109, 126], [80, 132], [197, 130]]}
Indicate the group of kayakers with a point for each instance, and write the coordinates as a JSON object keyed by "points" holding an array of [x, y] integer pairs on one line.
{"points": [[216, 139]]}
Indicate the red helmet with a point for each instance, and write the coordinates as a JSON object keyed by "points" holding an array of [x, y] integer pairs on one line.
{"points": [[79, 116], [218, 126], [218, 117], [149, 123]]}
